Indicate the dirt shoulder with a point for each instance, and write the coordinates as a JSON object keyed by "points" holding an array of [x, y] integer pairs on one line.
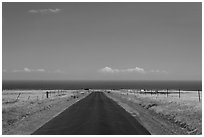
{"points": [[24, 118], [155, 123]]}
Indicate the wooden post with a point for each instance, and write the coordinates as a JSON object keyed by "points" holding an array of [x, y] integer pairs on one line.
{"points": [[47, 94], [199, 95], [28, 97], [18, 96], [167, 92], [179, 93], [151, 92]]}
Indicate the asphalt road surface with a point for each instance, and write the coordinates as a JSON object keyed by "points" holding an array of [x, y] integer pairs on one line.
{"points": [[94, 115]]}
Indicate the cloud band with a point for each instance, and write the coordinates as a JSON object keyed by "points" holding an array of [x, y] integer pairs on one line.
{"points": [[110, 70], [130, 70], [44, 11]]}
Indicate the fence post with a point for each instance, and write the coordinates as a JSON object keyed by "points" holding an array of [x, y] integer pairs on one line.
{"points": [[199, 95], [18, 96], [179, 93], [167, 92], [28, 97], [47, 94]]}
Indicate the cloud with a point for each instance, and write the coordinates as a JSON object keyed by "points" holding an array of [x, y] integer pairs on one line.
{"points": [[28, 70], [41, 70], [131, 70], [159, 71], [22, 70], [110, 70], [44, 11], [136, 69]]}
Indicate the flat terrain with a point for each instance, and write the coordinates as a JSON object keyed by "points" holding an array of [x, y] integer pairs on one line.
{"points": [[161, 114], [96, 114], [158, 113], [33, 109]]}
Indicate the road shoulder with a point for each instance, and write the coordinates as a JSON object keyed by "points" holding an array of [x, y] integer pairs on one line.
{"points": [[154, 123], [38, 114]]}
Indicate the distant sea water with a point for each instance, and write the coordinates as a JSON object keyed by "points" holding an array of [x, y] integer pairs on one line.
{"points": [[25, 85]]}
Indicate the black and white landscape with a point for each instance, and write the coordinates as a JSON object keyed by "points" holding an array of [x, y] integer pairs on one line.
{"points": [[102, 68]]}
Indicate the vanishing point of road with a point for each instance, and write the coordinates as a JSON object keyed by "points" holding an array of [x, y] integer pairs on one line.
{"points": [[96, 114]]}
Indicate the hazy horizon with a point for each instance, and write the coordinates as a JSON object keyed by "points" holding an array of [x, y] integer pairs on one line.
{"points": [[95, 84], [102, 41]]}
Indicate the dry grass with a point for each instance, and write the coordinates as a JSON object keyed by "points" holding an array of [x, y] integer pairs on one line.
{"points": [[185, 111], [24, 115]]}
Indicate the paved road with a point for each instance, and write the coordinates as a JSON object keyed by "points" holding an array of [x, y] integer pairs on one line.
{"points": [[94, 115]]}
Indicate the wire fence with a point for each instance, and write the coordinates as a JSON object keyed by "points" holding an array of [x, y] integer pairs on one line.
{"points": [[179, 94], [37, 95]]}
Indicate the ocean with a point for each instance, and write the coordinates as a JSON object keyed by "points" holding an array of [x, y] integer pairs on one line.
{"points": [[26, 85]]}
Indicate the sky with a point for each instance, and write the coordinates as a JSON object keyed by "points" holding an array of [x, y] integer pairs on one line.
{"points": [[101, 41]]}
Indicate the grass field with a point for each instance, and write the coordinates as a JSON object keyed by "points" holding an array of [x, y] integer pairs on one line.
{"points": [[23, 111], [185, 111]]}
